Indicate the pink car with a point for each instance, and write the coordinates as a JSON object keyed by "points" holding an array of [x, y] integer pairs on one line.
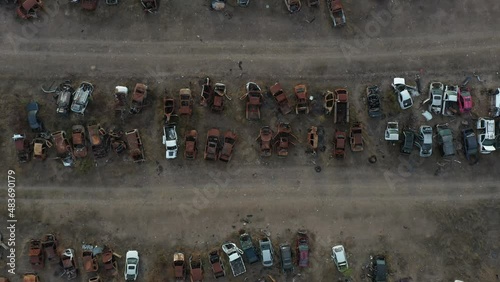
{"points": [[464, 100]]}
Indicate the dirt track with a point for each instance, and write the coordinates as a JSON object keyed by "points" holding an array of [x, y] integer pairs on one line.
{"points": [[426, 219]]}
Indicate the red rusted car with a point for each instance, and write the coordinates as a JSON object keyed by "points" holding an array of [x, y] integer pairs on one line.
{"points": [[216, 263], [179, 265], [168, 108], [228, 147], [196, 269], [89, 261], [89, 5], [23, 148], [79, 141], [186, 102], [218, 99], [49, 245], [28, 8], [302, 247], [281, 98], [254, 101], [356, 134], [282, 139], [212, 147], [109, 262], [140, 94], [265, 138], [135, 146], [191, 141], [63, 148], [339, 144], [36, 255], [302, 104]]}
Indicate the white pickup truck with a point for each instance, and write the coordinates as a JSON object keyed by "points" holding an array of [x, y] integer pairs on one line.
{"points": [[235, 260], [170, 141]]}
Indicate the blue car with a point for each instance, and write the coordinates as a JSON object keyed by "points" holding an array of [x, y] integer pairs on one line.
{"points": [[35, 124]]}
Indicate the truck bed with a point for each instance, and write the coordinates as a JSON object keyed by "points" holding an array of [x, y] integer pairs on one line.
{"points": [[237, 264]]}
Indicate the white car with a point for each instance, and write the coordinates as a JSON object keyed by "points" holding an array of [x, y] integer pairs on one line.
{"points": [[266, 249], [81, 97], [131, 265], [392, 131], [404, 97], [486, 137], [170, 141], [436, 91], [339, 258]]}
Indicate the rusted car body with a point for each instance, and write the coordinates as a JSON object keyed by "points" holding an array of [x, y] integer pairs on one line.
{"points": [[79, 141], [140, 94], [27, 277], [23, 147], [28, 8], [328, 102], [150, 6], [216, 263], [339, 144], [168, 108], [212, 146], [196, 268], [110, 265], [218, 99], [120, 105], [341, 113], [49, 245], [281, 98], [265, 138], [90, 264], [179, 265], [118, 145], [336, 12], [254, 101], [302, 102], [36, 255], [63, 148], [356, 135], [40, 146], [98, 140], [282, 139], [186, 102], [69, 264], [293, 6], [191, 142], [207, 92], [89, 5], [135, 146], [312, 138], [228, 147]]}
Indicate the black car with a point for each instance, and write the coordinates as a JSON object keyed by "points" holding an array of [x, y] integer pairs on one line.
{"points": [[373, 101], [379, 267], [286, 258], [408, 140], [470, 144], [35, 124]]}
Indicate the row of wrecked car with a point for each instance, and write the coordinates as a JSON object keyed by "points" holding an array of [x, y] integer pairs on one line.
{"points": [[94, 137], [101, 263], [65, 263], [485, 142]]}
